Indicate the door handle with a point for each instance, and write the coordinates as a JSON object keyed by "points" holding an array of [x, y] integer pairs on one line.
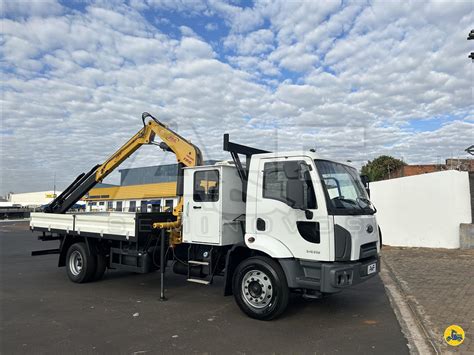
{"points": [[261, 225], [197, 207]]}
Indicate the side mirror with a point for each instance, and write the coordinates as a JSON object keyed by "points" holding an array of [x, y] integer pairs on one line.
{"points": [[295, 194], [292, 169], [366, 181]]}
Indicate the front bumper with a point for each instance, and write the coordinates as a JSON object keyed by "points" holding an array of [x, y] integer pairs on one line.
{"points": [[327, 277]]}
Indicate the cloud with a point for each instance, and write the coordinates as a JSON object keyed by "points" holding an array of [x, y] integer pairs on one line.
{"points": [[256, 42], [211, 26], [14, 8], [192, 48], [351, 80]]}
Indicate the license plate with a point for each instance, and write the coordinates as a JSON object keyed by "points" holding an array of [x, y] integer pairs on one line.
{"points": [[372, 268]]}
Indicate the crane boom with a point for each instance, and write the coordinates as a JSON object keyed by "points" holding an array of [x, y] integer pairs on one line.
{"points": [[187, 155]]}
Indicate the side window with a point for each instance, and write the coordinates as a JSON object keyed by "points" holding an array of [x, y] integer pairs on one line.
{"points": [[110, 206], [168, 205], [133, 206], [206, 186], [119, 206], [274, 181], [289, 182], [155, 206]]}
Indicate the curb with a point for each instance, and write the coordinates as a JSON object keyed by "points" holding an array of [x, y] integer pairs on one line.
{"points": [[411, 322]]}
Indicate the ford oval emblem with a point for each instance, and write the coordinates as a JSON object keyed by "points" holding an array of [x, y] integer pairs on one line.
{"points": [[369, 228]]}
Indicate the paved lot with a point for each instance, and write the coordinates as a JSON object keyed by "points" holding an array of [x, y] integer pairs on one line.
{"points": [[42, 312], [438, 283]]}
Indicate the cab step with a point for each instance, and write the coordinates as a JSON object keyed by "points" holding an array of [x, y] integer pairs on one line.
{"points": [[201, 258], [198, 262], [199, 281]]}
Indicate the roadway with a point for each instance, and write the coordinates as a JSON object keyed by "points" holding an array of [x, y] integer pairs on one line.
{"points": [[43, 312]]}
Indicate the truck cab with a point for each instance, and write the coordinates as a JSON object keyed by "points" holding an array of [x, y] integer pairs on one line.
{"points": [[321, 201], [315, 217]]}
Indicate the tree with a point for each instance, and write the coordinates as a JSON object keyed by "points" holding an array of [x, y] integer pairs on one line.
{"points": [[381, 167]]}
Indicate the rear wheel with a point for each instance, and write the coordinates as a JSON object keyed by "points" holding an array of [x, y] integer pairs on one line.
{"points": [[260, 288], [100, 269], [80, 265]]}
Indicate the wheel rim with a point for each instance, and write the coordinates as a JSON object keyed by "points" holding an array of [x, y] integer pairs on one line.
{"points": [[257, 289], [75, 263]]}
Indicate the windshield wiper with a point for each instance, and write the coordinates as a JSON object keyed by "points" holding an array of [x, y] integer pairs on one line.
{"points": [[339, 198], [356, 203], [368, 204], [352, 202]]}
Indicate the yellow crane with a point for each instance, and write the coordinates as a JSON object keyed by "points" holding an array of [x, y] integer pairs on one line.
{"points": [[187, 155]]}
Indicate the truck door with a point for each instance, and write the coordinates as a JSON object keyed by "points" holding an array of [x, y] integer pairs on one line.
{"points": [[290, 207], [204, 207]]}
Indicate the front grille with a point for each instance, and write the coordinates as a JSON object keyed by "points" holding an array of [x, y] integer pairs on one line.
{"points": [[368, 250]]}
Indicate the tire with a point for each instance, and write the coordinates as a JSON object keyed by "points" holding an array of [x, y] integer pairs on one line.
{"points": [[380, 238], [100, 269], [80, 266], [260, 288]]}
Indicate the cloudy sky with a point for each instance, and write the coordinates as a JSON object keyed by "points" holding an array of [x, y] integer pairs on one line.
{"points": [[352, 79]]}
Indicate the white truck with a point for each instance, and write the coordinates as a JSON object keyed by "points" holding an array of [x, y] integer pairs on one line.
{"points": [[278, 223]]}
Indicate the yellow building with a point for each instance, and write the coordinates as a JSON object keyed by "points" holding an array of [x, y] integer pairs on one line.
{"points": [[148, 189], [145, 189], [134, 198]]}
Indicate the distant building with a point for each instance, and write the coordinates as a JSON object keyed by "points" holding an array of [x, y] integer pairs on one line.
{"points": [[409, 170], [148, 175], [132, 198], [145, 189], [451, 164], [33, 199], [460, 164]]}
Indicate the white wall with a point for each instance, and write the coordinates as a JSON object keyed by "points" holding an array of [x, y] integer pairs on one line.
{"points": [[423, 210], [33, 199]]}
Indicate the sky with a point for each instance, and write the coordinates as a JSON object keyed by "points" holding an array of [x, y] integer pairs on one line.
{"points": [[353, 80]]}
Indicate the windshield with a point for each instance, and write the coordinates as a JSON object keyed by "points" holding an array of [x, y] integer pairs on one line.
{"points": [[344, 190]]}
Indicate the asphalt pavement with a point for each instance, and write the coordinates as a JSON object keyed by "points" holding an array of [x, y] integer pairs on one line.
{"points": [[43, 312]]}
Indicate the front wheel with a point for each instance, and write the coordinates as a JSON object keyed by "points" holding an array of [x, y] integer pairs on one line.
{"points": [[260, 288]]}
